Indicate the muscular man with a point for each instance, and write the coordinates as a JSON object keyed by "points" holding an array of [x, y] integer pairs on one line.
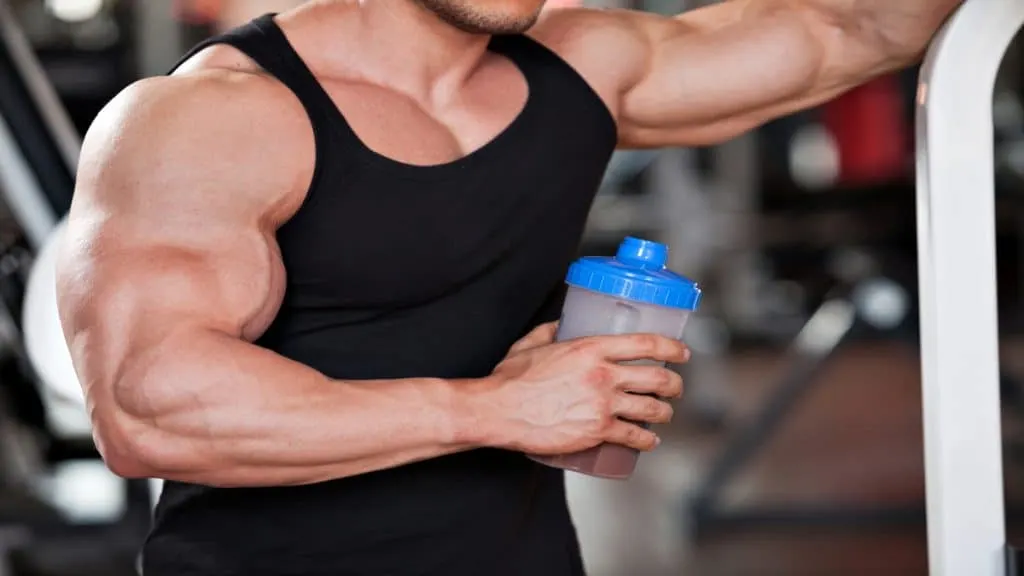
{"points": [[307, 275]]}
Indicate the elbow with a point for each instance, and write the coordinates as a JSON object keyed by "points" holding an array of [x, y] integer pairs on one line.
{"points": [[135, 420], [126, 445], [125, 454], [128, 466], [135, 448]]}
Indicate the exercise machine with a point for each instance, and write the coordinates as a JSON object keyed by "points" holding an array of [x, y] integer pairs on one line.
{"points": [[38, 159], [959, 339], [38, 143], [67, 515], [957, 275]]}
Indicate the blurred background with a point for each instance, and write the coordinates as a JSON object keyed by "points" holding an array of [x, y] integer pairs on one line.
{"points": [[798, 449]]}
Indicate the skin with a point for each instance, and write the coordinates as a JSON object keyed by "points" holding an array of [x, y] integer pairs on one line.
{"points": [[170, 267]]}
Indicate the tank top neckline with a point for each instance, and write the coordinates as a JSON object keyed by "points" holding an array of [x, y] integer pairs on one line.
{"points": [[369, 157]]}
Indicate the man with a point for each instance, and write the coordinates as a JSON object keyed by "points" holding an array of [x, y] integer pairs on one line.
{"points": [[299, 270]]}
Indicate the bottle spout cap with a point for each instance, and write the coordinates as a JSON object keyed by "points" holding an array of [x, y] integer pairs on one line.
{"points": [[642, 253], [638, 274]]}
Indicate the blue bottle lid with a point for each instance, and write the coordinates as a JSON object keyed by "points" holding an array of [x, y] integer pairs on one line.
{"points": [[636, 273]]}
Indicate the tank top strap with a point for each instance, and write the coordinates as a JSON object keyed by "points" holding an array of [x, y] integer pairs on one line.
{"points": [[265, 43], [250, 39]]}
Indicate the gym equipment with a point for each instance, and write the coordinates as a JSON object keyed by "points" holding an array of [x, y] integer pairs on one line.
{"points": [[38, 159], [866, 302], [38, 144], [957, 270], [50, 527], [870, 129], [46, 349], [959, 341]]}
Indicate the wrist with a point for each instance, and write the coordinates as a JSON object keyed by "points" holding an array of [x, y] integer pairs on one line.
{"points": [[473, 414]]}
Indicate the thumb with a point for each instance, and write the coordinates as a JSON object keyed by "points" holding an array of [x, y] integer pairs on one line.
{"points": [[539, 336]]}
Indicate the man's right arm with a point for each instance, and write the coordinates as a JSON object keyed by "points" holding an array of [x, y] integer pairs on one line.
{"points": [[170, 270]]}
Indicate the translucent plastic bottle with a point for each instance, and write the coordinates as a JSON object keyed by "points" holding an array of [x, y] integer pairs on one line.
{"points": [[628, 294]]}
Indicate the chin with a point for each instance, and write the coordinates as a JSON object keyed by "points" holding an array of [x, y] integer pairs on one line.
{"points": [[487, 16]]}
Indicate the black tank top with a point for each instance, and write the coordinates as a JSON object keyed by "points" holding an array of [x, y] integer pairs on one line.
{"points": [[395, 271]]}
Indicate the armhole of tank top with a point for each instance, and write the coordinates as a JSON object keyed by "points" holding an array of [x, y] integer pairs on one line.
{"points": [[272, 65], [545, 55]]}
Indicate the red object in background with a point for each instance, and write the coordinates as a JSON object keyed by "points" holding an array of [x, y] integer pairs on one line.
{"points": [[871, 129], [198, 12]]}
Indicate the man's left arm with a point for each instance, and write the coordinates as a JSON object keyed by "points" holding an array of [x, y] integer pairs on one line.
{"points": [[712, 73]]}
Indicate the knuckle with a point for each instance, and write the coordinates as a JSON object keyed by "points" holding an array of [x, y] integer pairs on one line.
{"points": [[640, 438], [648, 343], [599, 376], [655, 410], [603, 408], [585, 347], [647, 438]]}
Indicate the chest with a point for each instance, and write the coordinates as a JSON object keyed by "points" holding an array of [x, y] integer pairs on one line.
{"points": [[369, 238], [409, 207], [438, 127]]}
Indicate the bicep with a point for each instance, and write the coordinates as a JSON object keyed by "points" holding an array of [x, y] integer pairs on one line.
{"points": [[130, 286], [219, 275], [718, 71], [166, 235]]}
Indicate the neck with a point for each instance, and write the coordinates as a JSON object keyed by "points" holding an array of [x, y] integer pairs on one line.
{"points": [[404, 46]]}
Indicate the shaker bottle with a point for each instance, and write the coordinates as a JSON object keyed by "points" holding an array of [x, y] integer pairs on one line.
{"points": [[628, 294]]}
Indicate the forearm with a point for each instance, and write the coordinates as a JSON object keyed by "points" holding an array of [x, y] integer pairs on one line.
{"points": [[210, 409], [898, 31], [838, 43], [789, 55]]}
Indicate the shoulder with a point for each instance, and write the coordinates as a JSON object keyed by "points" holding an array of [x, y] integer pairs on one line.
{"points": [[208, 131], [607, 47]]}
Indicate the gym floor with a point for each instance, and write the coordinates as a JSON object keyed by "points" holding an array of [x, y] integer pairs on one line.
{"points": [[855, 439]]}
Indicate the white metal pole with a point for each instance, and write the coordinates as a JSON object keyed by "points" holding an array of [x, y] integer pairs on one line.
{"points": [[957, 261]]}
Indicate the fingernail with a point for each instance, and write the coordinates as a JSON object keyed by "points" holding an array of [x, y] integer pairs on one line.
{"points": [[657, 441], [686, 355]]}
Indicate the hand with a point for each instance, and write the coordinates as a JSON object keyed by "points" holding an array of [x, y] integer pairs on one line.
{"points": [[558, 398]]}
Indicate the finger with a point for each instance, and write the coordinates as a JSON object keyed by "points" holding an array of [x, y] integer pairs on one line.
{"points": [[647, 409], [539, 336], [633, 436], [626, 347], [655, 380]]}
